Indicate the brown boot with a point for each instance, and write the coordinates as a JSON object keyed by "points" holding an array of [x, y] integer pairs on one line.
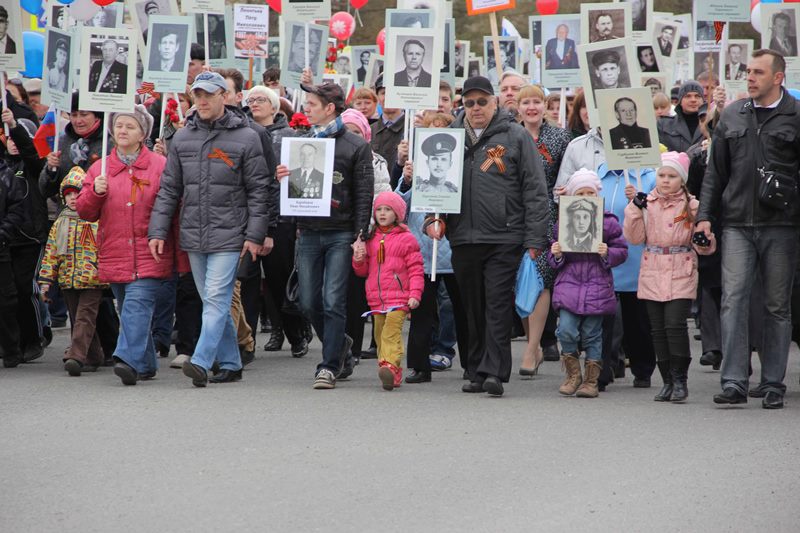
{"points": [[589, 387], [572, 365]]}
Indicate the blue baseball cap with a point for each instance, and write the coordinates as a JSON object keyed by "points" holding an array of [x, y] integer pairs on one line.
{"points": [[209, 82]]}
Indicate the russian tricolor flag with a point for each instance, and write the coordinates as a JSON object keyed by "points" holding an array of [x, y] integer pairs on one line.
{"points": [[44, 139]]}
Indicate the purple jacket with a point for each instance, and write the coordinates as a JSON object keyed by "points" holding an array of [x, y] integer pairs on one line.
{"points": [[584, 284]]}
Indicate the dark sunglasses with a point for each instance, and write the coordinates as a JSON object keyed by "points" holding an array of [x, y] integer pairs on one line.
{"points": [[482, 102]]}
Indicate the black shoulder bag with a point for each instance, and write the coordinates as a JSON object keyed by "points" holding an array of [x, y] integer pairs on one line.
{"points": [[775, 190]]}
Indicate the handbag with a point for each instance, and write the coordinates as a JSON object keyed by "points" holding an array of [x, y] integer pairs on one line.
{"points": [[529, 286], [777, 191], [290, 298]]}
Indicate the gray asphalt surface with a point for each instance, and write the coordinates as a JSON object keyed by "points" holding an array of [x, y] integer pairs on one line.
{"points": [[271, 454]]}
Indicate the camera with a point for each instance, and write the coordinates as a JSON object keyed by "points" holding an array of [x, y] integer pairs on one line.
{"points": [[700, 239]]}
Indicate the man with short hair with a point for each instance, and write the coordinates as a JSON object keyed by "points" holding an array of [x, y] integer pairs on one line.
{"points": [[511, 83], [216, 171], [7, 44], [665, 39], [604, 28], [782, 41], [504, 215], [438, 151], [168, 48], [628, 135], [754, 136], [413, 75], [363, 60], [197, 60], [108, 75], [324, 252], [560, 52], [680, 131], [606, 70], [735, 69]]}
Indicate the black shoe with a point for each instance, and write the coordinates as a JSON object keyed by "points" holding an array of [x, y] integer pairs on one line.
{"points": [[73, 367], [712, 359], [730, 396], [665, 394], [619, 370], [370, 353], [419, 376], [125, 373], [465, 375], [345, 356], [641, 383], [226, 376], [551, 353], [11, 363], [275, 342], [197, 373], [472, 386], [32, 352], [47, 336], [348, 368], [772, 400], [147, 376], [58, 323], [266, 326], [246, 356], [300, 349], [493, 386], [163, 351], [758, 392]]}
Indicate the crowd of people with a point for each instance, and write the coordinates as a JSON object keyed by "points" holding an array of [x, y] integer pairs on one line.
{"points": [[174, 237]]}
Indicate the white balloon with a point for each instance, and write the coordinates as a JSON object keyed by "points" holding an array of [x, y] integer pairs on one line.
{"points": [[755, 17], [82, 10]]}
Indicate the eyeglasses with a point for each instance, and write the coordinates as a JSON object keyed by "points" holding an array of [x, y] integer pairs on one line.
{"points": [[257, 100], [482, 102]]}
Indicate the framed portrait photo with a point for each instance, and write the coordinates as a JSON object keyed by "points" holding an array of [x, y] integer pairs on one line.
{"points": [[11, 52], [141, 11], [360, 57], [438, 161], [475, 67], [605, 22], [657, 83], [58, 16], [447, 72], [666, 35], [109, 16], [412, 69], [580, 223], [559, 55], [293, 48], [273, 59], [58, 69], [779, 28], [307, 190], [167, 55], [509, 57], [409, 18], [108, 69], [460, 66], [607, 65], [374, 71], [628, 121], [641, 20], [220, 37]]}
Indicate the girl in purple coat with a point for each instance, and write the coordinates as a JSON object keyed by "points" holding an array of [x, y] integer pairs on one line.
{"points": [[584, 287]]}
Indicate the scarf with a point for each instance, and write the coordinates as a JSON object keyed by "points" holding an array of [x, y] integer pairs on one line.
{"points": [[79, 151], [62, 233], [333, 127], [128, 160], [473, 137]]}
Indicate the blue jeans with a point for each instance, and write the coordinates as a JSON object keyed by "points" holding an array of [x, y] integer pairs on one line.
{"points": [[136, 302], [215, 276], [163, 318], [772, 252], [586, 330], [444, 338], [323, 266]]}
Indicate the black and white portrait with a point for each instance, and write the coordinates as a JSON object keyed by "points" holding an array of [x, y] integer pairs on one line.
{"points": [[342, 64], [580, 223], [307, 191], [273, 59], [462, 53], [58, 62], [606, 24], [438, 158], [407, 18], [627, 134], [306, 179], [449, 49], [781, 31], [638, 14], [414, 58], [59, 17], [508, 57], [647, 58], [217, 36], [359, 62], [107, 63], [106, 17], [665, 38], [144, 9], [168, 48], [629, 118], [109, 66], [656, 84], [608, 69], [704, 31], [474, 67], [297, 52], [437, 177], [11, 50], [736, 66], [706, 64]]}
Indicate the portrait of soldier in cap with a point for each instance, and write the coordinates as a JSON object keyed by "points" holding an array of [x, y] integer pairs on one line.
{"points": [[306, 180], [438, 150], [628, 135], [151, 7], [603, 27], [608, 71]]}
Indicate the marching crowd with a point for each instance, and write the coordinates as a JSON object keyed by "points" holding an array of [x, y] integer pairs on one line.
{"points": [[177, 238]]}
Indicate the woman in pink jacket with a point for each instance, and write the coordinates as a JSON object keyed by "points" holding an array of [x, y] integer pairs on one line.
{"points": [[668, 273], [392, 263], [121, 201]]}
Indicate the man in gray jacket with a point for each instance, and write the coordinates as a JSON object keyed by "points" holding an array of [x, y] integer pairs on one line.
{"points": [[503, 213], [217, 171]]}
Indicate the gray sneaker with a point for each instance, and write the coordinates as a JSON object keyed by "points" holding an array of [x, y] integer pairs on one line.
{"points": [[324, 379]]}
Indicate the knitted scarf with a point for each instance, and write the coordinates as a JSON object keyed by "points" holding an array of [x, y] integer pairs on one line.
{"points": [[62, 233], [333, 127], [79, 151]]}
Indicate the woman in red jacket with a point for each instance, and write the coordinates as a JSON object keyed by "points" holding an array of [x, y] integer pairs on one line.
{"points": [[121, 201]]}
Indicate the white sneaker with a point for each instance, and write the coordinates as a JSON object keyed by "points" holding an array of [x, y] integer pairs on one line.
{"points": [[324, 379], [179, 360], [440, 362]]}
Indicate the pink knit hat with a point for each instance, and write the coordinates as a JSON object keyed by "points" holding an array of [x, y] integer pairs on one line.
{"points": [[677, 161], [394, 201], [353, 116], [583, 179]]}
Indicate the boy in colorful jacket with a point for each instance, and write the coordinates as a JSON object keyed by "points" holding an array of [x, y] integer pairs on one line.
{"points": [[70, 259]]}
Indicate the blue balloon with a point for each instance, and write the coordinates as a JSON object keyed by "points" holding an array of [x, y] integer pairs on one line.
{"points": [[33, 44], [771, 1], [794, 92], [34, 7]]}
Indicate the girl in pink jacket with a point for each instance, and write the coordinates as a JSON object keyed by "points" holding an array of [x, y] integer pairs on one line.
{"points": [[392, 263], [668, 273]]}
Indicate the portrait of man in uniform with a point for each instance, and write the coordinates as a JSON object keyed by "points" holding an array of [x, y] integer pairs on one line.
{"points": [[438, 150], [306, 180], [628, 134], [603, 27], [108, 75], [580, 224]]}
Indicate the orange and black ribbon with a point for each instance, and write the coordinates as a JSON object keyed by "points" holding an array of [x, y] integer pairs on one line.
{"points": [[494, 156], [545, 153], [216, 153], [87, 237], [138, 184]]}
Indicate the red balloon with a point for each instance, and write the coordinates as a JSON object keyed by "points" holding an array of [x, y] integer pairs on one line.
{"points": [[342, 25], [275, 5], [547, 7], [381, 40], [103, 2], [753, 3], [358, 4]]}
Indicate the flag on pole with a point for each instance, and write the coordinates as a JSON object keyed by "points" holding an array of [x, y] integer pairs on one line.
{"points": [[43, 139]]}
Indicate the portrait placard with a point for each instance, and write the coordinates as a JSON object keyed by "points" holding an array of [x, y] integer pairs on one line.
{"points": [[641, 20], [374, 70], [628, 121], [706, 64], [168, 52], [685, 31], [438, 164], [535, 50], [509, 57], [657, 83], [476, 7], [108, 69], [205, 6], [739, 51], [648, 58], [606, 65], [462, 55], [705, 36], [306, 191], [345, 81], [409, 18], [412, 68], [58, 69], [250, 30], [605, 22], [723, 10], [580, 223], [220, 39], [273, 59], [447, 72], [665, 38], [359, 61], [560, 36], [779, 28], [58, 16], [293, 48], [109, 16], [475, 67], [11, 54], [141, 11], [306, 10]]}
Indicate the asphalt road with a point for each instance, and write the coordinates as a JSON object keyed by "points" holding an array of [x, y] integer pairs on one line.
{"points": [[271, 454]]}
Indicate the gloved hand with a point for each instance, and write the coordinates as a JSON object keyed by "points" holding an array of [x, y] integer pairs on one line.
{"points": [[640, 200]]}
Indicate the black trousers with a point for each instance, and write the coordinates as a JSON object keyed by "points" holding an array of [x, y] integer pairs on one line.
{"points": [[612, 341], [188, 315], [636, 338], [486, 274], [24, 265], [277, 266], [9, 328], [356, 306], [710, 301], [423, 318], [668, 326], [107, 326]]}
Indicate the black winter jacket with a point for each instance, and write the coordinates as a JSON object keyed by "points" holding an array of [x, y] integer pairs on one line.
{"points": [[12, 209], [674, 133], [730, 187], [26, 168], [50, 180]]}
